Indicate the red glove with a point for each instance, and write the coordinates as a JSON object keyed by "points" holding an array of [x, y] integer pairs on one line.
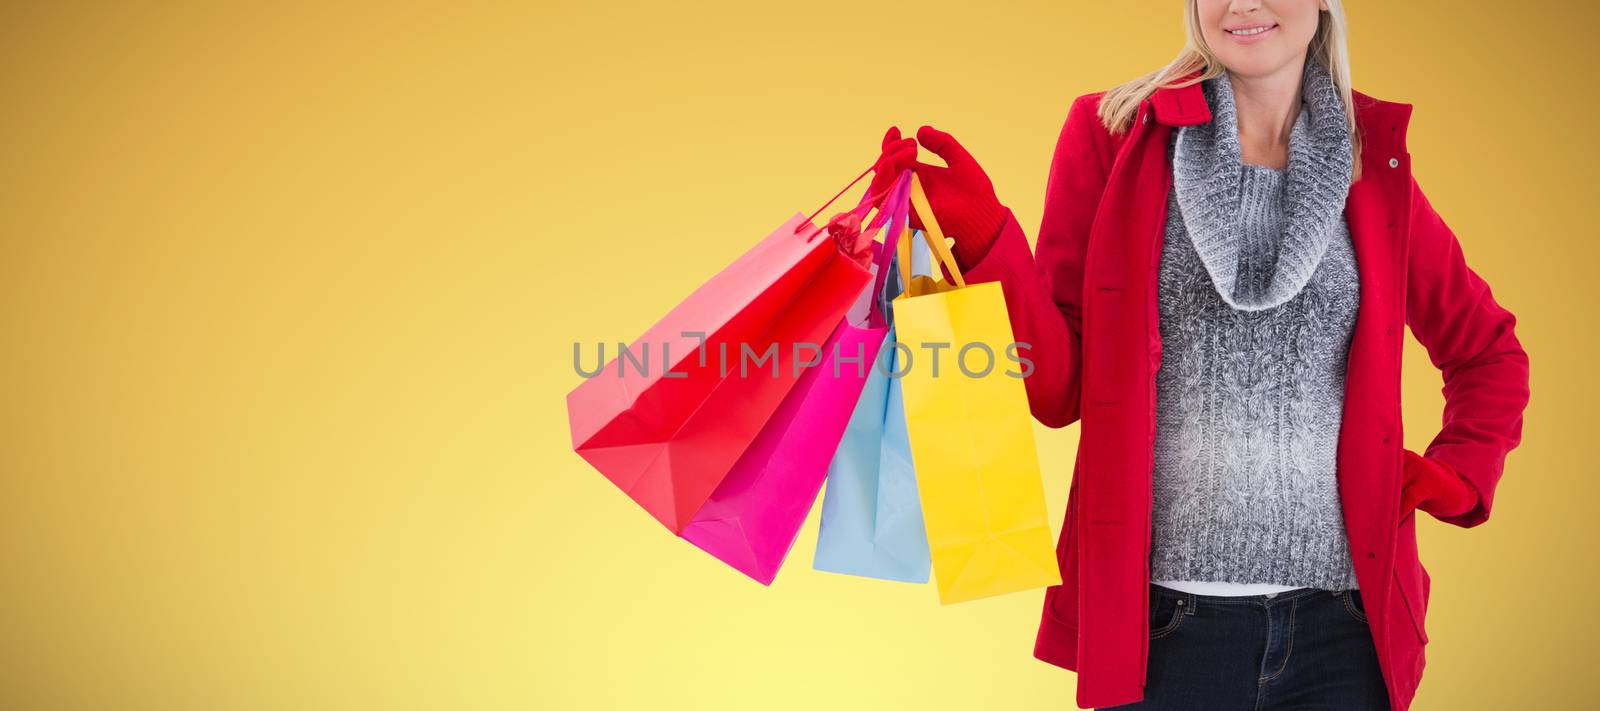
{"points": [[961, 196], [898, 154], [1434, 487]]}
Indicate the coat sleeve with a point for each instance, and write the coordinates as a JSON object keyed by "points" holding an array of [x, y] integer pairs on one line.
{"points": [[1044, 295], [1472, 340]]}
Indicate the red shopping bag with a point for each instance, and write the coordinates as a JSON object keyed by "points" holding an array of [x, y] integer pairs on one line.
{"points": [[667, 419]]}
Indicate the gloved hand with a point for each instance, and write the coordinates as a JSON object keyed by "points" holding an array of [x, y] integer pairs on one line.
{"points": [[1434, 487], [962, 197], [897, 155]]}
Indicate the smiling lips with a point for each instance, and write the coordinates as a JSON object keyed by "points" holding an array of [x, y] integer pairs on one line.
{"points": [[1252, 33]]}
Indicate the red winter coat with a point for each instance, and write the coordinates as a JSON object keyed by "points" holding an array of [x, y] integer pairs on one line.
{"points": [[1087, 305]]}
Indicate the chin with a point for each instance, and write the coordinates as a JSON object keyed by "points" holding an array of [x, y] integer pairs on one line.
{"points": [[1254, 63]]}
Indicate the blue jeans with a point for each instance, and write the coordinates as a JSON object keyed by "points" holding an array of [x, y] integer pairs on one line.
{"points": [[1302, 649]]}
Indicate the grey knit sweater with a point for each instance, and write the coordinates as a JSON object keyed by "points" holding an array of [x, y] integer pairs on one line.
{"points": [[1258, 294]]}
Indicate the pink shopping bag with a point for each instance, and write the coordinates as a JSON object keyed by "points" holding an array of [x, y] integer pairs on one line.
{"points": [[752, 519]]}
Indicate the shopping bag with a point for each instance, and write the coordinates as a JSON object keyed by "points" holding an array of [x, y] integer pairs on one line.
{"points": [[752, 518], [971, 435], [871, 517], [667, 418], [871, 523]]}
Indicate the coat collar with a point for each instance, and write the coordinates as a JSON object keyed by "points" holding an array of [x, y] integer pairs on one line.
{"points": [[1382, 123], [1181, 105]]}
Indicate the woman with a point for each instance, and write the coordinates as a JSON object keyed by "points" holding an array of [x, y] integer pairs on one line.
{"points": [[1231, 249]]}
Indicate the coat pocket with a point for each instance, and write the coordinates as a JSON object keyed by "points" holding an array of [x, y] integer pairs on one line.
{"points": [[1415, 598], [1062, 600], [1411, 579]]}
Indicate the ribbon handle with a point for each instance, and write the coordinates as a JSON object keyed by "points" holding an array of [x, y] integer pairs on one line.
{"points": [[933, 236], [893, 206], [861, 209]]}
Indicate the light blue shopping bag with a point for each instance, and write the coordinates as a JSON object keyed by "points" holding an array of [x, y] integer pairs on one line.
{"points": [[871, 514]]}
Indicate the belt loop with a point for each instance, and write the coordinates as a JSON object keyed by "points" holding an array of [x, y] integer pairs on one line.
{"points": [[1188, 603]]}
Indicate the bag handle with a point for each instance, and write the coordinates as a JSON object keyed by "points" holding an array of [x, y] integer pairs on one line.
{"points": [[894, 207], [898, 215], [932, 235], [862, 207]]}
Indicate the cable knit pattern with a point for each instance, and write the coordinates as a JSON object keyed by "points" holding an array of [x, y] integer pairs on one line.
{"points": [[1206, 163], [1258, 292]]}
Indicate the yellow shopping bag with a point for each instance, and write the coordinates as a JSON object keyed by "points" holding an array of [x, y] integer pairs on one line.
{"points": [[971, 432]]}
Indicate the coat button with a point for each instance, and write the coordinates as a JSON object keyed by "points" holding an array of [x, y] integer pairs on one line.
{"points": [[1147, 118], [1394, 162]]}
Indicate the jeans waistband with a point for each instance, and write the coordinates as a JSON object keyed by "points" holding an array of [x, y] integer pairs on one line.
{"points": [[1265, 599]]}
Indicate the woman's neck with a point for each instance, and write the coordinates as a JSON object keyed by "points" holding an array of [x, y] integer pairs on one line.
{"points": [[1267, 107]]}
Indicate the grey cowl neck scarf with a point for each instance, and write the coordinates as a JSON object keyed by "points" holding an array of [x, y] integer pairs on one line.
{"points": [[1207, 170]]}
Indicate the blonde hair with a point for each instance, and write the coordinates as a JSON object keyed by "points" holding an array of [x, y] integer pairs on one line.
{"points": [[1328, 48]]}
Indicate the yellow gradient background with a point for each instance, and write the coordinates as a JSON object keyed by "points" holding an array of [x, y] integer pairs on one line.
{"points": [[289, 292]]}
